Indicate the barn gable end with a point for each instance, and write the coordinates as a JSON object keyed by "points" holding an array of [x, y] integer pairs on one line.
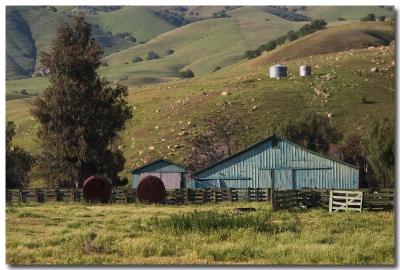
{"points": [[171, 174], [290, 165]]}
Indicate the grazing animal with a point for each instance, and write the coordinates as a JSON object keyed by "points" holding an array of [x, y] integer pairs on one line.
{"points": [[97, 189], [151, 189]]}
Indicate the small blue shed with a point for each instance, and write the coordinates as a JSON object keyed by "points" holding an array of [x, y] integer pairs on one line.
{"points": [[281, 163], [172, 175]]}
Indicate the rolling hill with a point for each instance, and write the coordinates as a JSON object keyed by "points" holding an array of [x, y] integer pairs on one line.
{"points": [[200, 46], [333, 39], [31, 31], [333, 13], [143, 23], [340, 82]]}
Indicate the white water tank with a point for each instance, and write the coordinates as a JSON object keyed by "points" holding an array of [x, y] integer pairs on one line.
{"points": [[305, 71], [278, 71]]}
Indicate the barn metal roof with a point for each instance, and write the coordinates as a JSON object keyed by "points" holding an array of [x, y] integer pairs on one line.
{"points": [[141, 168], [265, 140]]}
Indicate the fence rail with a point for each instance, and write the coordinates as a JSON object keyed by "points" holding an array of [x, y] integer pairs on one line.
{"points": [[121, 195], [281, 199], [344, 200]]}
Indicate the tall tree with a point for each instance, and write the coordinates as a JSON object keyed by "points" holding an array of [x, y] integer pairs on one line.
{"points": [[80, 114], [313, 131], [223, 137], [18, 161], [380, 146], [352, 152]]}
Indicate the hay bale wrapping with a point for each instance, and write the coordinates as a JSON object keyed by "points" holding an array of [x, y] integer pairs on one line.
{"points": [[97, 189], [151, 189]]}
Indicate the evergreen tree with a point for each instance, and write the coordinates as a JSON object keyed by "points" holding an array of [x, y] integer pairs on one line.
{"points": [[380, 146], [80, 114]]}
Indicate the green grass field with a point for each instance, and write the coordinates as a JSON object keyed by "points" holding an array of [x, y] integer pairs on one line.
{"points": [[76, 233]]}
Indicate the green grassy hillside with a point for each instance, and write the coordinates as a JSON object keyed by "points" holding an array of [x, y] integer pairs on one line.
{"points": [[334, 39], [141, 22], [31, 30], [200, 46], [332, 13], [162, 111]]}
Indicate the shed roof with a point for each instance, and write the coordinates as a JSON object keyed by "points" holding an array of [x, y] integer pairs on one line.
{"points": [[154, 162], [268, 139]]}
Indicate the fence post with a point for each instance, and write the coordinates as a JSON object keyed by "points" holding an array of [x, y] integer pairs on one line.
{"points": [[187, 196], [330, 200]]}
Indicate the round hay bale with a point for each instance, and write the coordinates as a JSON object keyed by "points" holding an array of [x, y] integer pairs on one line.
{"points": [[97, 189], [151, 190]]}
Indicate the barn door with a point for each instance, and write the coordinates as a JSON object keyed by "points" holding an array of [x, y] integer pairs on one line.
{"points": [[283, 179]]}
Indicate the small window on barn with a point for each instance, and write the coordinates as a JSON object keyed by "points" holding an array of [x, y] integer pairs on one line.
{"points": [[275, 143]]}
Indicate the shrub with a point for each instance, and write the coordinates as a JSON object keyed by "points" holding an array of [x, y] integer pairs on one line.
{"points": [[252, 53], [23, 92], [104, 64], [341, 19], [381, 18], [152, 55], [281, 40], [170, 51], [292, 35], [186, 74], [363, 100], [318, 24], [216, 68], [137, 59], [369, 17]]}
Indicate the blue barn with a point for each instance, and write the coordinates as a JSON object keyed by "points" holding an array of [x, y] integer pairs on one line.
{"points": [[279, 162], [172, 175]]}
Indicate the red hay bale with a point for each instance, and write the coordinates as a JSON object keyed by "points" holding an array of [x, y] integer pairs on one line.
{"points": [[97, 189], [151, 190]]}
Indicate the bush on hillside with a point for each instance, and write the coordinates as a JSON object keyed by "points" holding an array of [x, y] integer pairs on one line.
{"points": [[186, 74], [152, 55], [268, 46], [250, 54], [318, 24], [291, 35], [23, 92], [381, 18], [170, 51], [280, 40], [369, 17], [137, 59], [341, 19], [216, 68]]}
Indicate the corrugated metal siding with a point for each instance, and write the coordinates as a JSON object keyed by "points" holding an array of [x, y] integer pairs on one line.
{"points": [[169, 173], [170, 180], [293, 166]]}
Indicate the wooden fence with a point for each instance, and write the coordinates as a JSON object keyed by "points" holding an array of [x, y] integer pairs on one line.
{"points": [[379, 200], [199, 196], [345, 200], [376, 200], [382, 199], [123, 195]]}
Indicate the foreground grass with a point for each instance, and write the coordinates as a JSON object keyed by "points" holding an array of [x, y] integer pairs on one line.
{"points": [[208, 234]]}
